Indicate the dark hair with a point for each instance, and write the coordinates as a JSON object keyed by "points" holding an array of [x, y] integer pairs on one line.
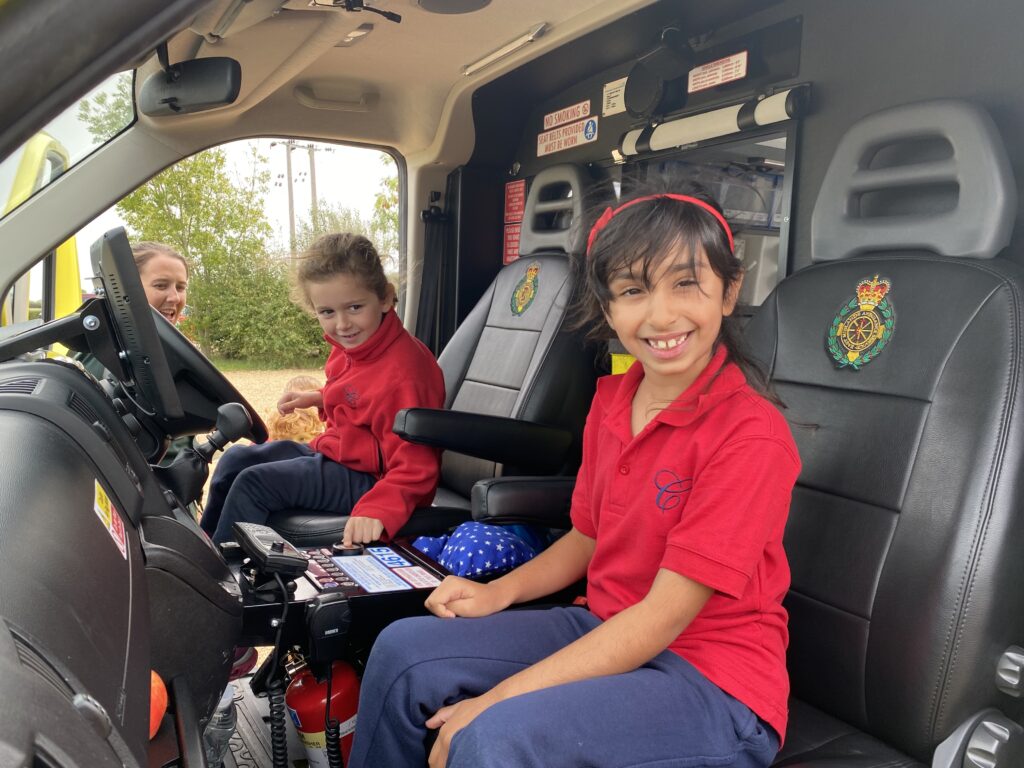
{"points": [[647, 233], [340, 253], [146, 250]]}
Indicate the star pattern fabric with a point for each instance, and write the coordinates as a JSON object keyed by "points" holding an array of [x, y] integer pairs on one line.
{"points": [[474, 550]]}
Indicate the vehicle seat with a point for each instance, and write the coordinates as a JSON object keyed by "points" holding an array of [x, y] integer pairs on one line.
{"points": [[906, 532], [518, 383]]}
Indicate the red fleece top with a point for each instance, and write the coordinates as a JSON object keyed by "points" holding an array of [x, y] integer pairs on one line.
{"points": [[366, 386], [704, 491]]}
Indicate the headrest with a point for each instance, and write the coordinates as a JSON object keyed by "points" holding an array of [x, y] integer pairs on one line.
{"points": [[930, 176], [552, 220]]}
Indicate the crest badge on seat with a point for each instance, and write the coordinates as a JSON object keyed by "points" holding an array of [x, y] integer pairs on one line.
{"points": [[864, 325], [526, 289]]}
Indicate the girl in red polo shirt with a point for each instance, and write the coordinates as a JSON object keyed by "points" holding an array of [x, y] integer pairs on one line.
{"points": [[357, 464], [678, 516]]}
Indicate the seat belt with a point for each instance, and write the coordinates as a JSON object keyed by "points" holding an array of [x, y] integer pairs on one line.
{"points": [[436, 245]]}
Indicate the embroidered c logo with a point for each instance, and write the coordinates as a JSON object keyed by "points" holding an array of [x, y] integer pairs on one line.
{"points": [[670, 489]]}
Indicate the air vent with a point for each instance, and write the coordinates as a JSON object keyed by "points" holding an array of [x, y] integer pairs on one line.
{"points": [[24, 385], [33, 660], [82, 408]]}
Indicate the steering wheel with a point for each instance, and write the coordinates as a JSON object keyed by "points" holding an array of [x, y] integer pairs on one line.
{"points": [[200, 386], [175, 379]]}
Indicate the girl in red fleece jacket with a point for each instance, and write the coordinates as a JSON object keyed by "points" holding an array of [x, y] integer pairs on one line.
{"points": [[358, 466]]}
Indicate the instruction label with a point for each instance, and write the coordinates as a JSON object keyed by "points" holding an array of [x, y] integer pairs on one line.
{"points": [[370, 573], [567, 115], [567, 136], [107, 513], [515, 200], [511, 250], [613, 101], [718, 72]]}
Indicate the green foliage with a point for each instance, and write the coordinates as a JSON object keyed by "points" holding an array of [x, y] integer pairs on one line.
{"points": [[257, 322], [384, 223], [328, 219], [108, 113]]}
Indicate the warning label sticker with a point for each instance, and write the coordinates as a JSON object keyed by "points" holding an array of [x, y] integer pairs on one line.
{"points": [[370, 573], [567, 137], [718, 72], [511, 250], [515, 200], [112, 521], [613, 102], [567, 115]]}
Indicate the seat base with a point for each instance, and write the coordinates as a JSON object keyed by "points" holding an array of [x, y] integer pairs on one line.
{"points": [[304, 528], [816, 740]]}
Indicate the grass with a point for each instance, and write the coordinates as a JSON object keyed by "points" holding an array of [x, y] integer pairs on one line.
{"points": [[227, 365]]}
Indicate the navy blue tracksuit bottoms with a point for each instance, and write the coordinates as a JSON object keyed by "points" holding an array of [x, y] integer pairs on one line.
{"points": [[252, 481], [663, 714]]}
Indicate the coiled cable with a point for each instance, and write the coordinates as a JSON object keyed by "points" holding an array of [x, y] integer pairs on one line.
{"points": [[275, 691]]}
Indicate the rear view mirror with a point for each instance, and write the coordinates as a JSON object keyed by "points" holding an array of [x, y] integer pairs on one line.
{"points": [[191, 86]]}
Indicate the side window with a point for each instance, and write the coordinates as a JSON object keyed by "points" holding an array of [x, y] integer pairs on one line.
{"points": [[237, 213], [52, 287]]}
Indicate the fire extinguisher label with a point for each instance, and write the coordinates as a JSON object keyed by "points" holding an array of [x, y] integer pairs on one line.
{"points": [[295, 717], [316, 743]]}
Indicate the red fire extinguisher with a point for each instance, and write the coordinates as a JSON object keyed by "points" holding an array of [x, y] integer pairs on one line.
{"points": [[306, 699]]}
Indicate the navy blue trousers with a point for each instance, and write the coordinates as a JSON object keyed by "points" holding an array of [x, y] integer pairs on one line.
{"points": [[663, 714], [252, 481]]}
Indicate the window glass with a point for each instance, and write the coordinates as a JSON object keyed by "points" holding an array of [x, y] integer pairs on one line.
{"points": [[237, 213], [87, 124], [748, 178]]}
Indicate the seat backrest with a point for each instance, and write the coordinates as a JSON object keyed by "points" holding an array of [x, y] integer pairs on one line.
{"points": [[906, 533], [512, 355]]}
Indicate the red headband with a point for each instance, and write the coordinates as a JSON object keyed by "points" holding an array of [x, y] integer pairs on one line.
{"points": [[610, 213]]}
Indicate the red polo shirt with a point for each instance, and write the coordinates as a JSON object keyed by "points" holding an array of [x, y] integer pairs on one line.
{"points": [[366, 386], [704, 491]]}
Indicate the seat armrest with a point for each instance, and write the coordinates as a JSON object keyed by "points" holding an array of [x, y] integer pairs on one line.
{"points": [[523, 500], [526, 445], [432, 521]]}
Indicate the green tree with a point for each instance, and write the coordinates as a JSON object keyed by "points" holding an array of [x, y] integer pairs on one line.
{"points": [[384, 222], [328, 219], [108, 112], [238, 294]]}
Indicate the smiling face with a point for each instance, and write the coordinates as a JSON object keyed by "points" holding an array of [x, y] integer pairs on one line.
{"points": [[348, 311], [165, 280], [671, 321]]}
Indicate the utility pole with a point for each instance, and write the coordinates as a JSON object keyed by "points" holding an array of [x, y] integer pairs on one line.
{"points": [[288, 145], [312, 177]]}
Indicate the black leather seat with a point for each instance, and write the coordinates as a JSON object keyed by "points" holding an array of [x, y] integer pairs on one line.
{"points": [[518, 383], [906, 535]]}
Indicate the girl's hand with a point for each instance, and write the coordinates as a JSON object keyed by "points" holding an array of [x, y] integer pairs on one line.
{"points": [[291, 400], [451, 720], [362, 530], [461, 597]]}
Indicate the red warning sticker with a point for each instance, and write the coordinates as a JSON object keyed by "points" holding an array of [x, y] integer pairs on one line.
{"points": [[718, 72], [567, 115], [515, 200], [511, 250]]}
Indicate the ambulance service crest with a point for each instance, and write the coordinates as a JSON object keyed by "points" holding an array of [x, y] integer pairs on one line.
{"points": [[863, 326], [526, 290]]}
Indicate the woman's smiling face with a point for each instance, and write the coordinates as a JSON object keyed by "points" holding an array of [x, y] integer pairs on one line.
{"points": [[165, 280]]}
